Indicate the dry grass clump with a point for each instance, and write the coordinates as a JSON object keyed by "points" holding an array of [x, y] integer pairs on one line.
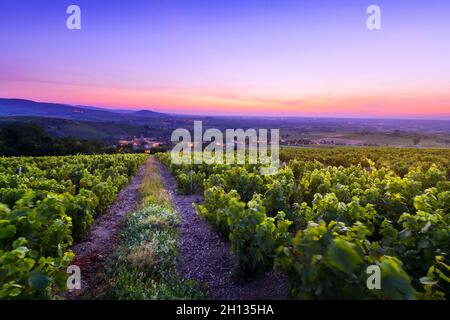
{"points": [[143, 258]]}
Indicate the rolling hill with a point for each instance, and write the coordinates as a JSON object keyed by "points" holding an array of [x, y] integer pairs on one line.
{"points": [[20, 107]]}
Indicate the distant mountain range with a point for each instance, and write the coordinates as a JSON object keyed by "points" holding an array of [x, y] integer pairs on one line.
{"points": [[20, 107]]}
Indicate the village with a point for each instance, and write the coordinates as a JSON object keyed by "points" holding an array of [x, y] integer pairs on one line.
{"points": [[140, 144]]}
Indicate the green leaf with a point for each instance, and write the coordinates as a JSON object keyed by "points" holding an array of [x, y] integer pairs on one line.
{"points": [[38, 280], [15, 292], [395, 282], [7, 232], [21, 252], [344, 255]]}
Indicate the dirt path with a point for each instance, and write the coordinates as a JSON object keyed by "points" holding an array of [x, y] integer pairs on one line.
{"points": [[104, 236], [208, 260]]}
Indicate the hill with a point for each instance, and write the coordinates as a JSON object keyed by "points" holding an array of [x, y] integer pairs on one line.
{"points": [[91, 130], [20, 107]]}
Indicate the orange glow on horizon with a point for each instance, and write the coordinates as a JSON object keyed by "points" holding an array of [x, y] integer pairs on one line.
{"points": [[216, 102]]}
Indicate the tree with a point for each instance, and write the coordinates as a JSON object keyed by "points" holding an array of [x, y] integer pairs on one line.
{"points": [[33, 140]]}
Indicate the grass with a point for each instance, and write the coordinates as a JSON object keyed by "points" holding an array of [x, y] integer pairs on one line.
{"points": [[152, 189], [144, 265]]}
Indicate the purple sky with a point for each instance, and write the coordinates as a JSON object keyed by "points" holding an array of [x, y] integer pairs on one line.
{"points": [[231, 57]]}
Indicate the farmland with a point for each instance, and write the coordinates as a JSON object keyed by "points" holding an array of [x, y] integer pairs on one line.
{"points": [[316, 226], [329, 214], [47, 203]]}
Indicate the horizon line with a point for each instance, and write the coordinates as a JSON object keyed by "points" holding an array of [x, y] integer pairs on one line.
{"points": [[131, 109]]}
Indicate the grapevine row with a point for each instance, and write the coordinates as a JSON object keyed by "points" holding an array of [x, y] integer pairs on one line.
{"points": [[45, 204], [324, 225]]}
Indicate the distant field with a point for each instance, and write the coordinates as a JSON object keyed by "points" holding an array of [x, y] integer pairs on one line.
{"points": [[386, 139]]}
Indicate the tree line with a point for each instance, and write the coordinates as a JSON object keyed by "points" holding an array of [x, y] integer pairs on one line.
{"points": [[33, 140]]}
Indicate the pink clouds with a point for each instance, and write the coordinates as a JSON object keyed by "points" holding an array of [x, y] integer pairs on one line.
{"points": [[207, 101]]}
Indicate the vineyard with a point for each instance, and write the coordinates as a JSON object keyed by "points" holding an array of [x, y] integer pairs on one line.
{"points": [[47, 203], [329, 214], [324, 219], [400, 160]]}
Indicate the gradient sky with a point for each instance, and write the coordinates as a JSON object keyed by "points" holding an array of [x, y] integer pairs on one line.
{"points": [[278, 57]]}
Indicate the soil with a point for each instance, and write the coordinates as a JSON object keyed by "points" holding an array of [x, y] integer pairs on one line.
{"points": [[207, 259], [91, 252]]}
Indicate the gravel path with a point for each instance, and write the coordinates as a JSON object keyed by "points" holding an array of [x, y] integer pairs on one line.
{"points": [[204, 257], [91, 252]]}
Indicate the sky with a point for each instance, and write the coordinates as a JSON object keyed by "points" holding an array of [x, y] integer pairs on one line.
{"points": [[231, 57]]}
